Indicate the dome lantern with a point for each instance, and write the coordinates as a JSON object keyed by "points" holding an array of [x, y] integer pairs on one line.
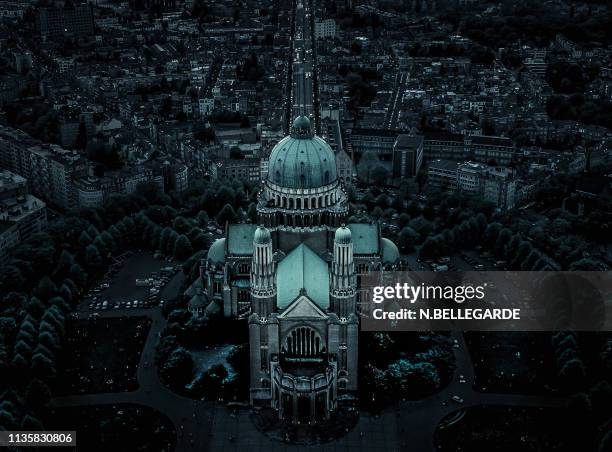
{"points": [[301, 128]]}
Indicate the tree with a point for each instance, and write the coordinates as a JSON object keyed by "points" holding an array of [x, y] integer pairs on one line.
{"points": [[413, 379], [202, 218], [108, 241], [606, 442], [380, 175], [31, 423], [226, 215], [164, 238], [23, 348], [37, 394], [42, 366], [572, 374], [406, 239], [180, 225], [432, 248], [225, 195], [491, 233], [46, 288], [421, 226], [403, 220], [77, 274], [377, 212], [209, 384], [182, 248], [64, 263], [178, 368], [49, 339], [601, 398], [252, 212], [366, 164], [503, 240], [92, 256]]}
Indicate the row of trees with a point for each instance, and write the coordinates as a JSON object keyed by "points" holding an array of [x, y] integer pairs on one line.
{"points": [[400, 365], [590, 402]]}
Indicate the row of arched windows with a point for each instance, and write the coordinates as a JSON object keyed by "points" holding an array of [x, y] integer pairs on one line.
{"points": [[303, 341], [304, 202]]}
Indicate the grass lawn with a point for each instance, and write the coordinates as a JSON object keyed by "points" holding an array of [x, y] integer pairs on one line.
{"points": [[512, 362], [120, 427], [502, 429], [102, 355]]}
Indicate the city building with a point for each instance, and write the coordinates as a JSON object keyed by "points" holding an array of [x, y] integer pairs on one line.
{"points": [[294, 276], [49, 169], [68, 20], [378, 141], [407, 156], [245, 169], [21, 214], [442, 174], [494, 184], [499, 187], [325, 29]]}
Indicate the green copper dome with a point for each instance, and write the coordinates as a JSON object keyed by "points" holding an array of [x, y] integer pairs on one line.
{"points": [[262, 235], [343, 235], [302, 160], [216, 252]]}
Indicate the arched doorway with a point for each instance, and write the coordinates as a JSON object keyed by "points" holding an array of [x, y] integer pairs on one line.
{"points": [[303, 409]]}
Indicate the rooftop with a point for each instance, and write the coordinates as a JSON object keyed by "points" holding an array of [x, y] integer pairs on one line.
{"points": [[448, 165], [302, 268]]}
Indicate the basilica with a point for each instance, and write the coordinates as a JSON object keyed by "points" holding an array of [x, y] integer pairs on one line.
{"points": [[295, 277]]}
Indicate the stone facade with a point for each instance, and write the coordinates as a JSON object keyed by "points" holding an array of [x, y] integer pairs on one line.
{"points": [[295, 277]]}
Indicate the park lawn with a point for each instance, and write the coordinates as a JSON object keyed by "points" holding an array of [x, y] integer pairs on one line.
{"points": [[115, 427], [512, 362], [102, 355]]}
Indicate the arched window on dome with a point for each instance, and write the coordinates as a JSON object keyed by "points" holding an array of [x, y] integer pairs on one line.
{"points": [[284, 202], [291, 203], [327, 200], [313, 203], [299, 203], [321, 201]]}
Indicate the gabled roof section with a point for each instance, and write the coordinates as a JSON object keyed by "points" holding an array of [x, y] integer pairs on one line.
{"points": [[302, 307], [365, 238], [240, 238], [302, 269]]}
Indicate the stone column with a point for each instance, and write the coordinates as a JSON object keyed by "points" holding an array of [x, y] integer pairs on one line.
{"points": [[312, 407]]}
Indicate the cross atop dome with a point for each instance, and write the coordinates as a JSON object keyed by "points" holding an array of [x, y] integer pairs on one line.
{"points": [[301, 128]]}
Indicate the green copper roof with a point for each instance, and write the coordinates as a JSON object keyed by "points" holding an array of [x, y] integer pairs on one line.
{"points": [[240, 238], [262, 235], [199, 300], [343, 235], [390, 253], [302, 269], [302, 160], [216, 252], [365, 238], [301, 126]]}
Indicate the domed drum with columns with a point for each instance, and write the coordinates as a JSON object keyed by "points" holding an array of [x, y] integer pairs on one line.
{"points": [[295, 276]]}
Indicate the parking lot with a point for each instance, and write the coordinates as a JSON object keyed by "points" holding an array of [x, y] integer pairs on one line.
{"points": [[135, 280], [465, 261]]}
